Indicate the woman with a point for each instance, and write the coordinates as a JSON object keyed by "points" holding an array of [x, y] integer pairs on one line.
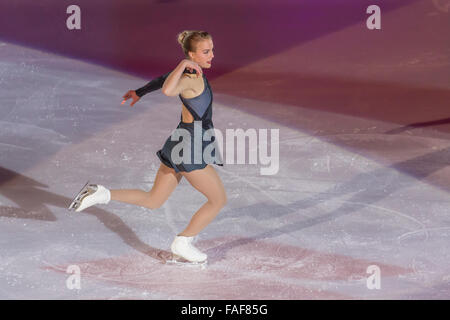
{"points": [[188, 82]]}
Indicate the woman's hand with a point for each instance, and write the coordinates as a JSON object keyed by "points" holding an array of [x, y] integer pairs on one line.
{"points": [[191, 65], [131, 94]]}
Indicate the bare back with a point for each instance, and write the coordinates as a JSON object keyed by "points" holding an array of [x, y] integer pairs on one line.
{"points": [[195, 90]]}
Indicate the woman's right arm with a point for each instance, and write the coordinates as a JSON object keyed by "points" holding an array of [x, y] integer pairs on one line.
{"points": [[153, 85], [164, 81]]}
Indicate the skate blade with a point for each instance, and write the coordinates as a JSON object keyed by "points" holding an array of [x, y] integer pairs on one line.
{"points": [[180, 261], [85, 191]]}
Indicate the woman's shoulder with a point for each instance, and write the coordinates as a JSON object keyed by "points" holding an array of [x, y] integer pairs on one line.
{"points": [[194, 86]]}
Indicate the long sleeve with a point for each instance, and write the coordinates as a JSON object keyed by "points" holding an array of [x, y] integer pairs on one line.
{"points": [[153, 85]]}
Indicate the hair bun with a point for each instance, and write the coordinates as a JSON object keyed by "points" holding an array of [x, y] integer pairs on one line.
{"points": [[182, 36]]}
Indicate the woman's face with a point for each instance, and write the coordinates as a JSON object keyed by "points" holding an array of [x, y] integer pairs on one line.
{"points": [[204, 54]]}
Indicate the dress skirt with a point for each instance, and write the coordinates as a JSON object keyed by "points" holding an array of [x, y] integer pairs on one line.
{"points": [[172, 152]]}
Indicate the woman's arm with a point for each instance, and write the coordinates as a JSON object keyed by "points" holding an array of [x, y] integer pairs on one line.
{"points": [[173, 84], [153, 85]]}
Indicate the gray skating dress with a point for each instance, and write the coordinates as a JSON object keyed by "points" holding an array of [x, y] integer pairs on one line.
{"points": [[197, 136]]}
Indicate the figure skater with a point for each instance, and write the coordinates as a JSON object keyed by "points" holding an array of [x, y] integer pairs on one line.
{"points": [[190, 84]]}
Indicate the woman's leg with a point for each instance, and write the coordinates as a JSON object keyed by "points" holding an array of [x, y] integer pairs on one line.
{"points": [[208, 182], [165, 182]]}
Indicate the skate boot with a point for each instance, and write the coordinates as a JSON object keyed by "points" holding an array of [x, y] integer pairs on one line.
{"points": [[182, 248], [90, 195]]}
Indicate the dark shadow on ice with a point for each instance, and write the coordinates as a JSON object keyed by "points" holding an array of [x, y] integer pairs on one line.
{"points": [[368, 188], [24, 192], [399, 104], [419, 125], [33, 203]]}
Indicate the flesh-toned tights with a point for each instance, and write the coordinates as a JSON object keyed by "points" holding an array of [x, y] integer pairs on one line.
{"points": [[206, 180]]}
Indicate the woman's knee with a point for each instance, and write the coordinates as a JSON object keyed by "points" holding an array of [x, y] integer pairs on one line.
{"points": [[152, 202], [219, 201], [152, 206]]}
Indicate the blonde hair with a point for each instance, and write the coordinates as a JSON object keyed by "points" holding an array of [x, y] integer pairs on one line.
{"points": [[188, 40]]}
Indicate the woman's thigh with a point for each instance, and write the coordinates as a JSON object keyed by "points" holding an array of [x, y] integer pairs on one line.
{"points": [[165, 183], [208, 182]]}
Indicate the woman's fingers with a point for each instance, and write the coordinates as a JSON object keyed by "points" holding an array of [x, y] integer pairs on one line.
{"points": [[194, 66], [127, 95], [198, 70]]}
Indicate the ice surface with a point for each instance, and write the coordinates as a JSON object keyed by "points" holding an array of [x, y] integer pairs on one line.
{"points": [[347, 195]]}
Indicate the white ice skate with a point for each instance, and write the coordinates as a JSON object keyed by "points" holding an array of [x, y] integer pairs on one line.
{"points": [[90, 194], [185, 253]]}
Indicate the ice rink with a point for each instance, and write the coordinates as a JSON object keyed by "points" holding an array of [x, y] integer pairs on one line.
{"points": [[363, 179]]}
